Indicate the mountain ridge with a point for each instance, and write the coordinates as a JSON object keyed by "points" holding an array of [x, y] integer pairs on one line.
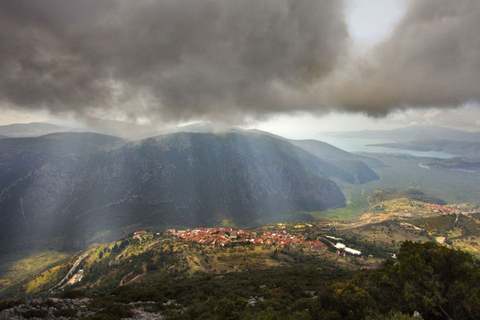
{"points": [[83, 187], [454, 147], [411, 133], [33, 129]]}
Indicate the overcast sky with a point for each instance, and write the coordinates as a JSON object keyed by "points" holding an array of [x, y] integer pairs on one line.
{"points": [[295, 68]]}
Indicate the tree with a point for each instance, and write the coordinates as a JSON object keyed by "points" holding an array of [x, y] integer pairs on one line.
{"points": [[231, 307], [440, 283], [350, 300]]}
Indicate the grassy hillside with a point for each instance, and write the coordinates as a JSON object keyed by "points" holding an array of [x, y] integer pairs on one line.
{"points": [[393, 216], [378, 229], [403, 171], [16, 267], [377, 233], [462, 164], [389, 234], [151, 256], [411, 193], [412, 180], [151, 275], [458, 231]]}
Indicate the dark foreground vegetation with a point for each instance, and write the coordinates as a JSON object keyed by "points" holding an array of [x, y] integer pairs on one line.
{"points": [[435, 281], [438, 282]]}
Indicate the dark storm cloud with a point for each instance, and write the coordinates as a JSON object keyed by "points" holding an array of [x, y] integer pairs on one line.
{"points": [[431, 59], [172, 60], [168, 59]]}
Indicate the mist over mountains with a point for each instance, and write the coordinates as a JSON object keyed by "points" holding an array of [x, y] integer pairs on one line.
{"points": [[72, 189], [69, 189]]}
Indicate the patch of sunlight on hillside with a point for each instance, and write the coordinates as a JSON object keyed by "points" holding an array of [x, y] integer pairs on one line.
{"points": [[13, 268], [46, 280]]}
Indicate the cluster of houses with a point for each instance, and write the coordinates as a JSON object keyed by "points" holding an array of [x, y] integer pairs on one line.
{"points": [[448, 209], [228, 236]]}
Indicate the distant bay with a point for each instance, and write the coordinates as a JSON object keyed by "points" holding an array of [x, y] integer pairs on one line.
{"points": [[369, 145]]}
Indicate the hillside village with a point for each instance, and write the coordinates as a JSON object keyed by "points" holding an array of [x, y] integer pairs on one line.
{"points": [[231, 237], [227, 247], [450, 209]]}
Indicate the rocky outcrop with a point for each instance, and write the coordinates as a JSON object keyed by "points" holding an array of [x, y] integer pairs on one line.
{"points": [[64, 309], [50, 309]]}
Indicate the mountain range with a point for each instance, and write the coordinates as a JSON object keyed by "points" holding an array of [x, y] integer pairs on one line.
{"points": [[33, 129], [70, 189], [454, 147], [424, 138], [412, 133]]}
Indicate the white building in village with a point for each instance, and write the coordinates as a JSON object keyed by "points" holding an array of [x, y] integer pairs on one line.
{"points": [[353, 251], [341, 246]]}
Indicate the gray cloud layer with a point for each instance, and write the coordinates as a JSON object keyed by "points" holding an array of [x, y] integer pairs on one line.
{"points": [[171, 60], [168, 59], [431, 59]]}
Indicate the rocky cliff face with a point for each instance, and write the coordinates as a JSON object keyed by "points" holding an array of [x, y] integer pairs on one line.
{"points": [[72, 187]]}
